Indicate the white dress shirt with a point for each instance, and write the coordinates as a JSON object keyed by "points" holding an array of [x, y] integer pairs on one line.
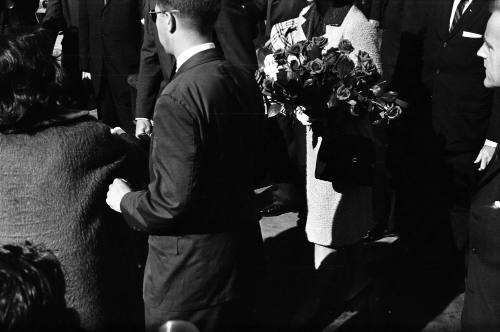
{"points": [[190, 52], [454, 9]]}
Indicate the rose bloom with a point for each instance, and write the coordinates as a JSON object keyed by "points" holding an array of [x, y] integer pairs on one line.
{"points": [[317, 66], [297, 48], [293, 62], [345, 46], [393, 111], [345, 65], [321, 41], [343, 93]]}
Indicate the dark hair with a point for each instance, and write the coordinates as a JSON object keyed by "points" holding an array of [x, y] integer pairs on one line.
{"points": [[31, 289], [202, 13], [29, 78]]}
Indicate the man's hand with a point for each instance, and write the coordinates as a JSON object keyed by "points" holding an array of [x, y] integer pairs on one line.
{"points": [[142, 126], [117, 131], [484, 157], [116, 191], [86, 75]]}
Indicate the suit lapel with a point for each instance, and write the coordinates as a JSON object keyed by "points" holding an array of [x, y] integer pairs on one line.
{"points": [[104, 6], [468, 15], [444, 18]]}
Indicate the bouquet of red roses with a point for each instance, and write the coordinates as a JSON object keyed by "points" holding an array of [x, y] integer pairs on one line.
{"points": [[308, 77]]}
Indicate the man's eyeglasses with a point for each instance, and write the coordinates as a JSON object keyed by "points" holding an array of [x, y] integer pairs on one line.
{"points": [[154, 14]]}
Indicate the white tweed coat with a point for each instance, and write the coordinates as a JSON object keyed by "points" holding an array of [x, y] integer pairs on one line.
{"points": [[334, 219]]}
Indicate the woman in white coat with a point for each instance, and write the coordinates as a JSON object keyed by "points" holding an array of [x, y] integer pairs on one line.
{"points": [[334, 220]]}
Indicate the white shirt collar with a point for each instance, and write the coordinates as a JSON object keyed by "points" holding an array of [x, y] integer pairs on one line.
{"points": [[187, 54], [454, 9]]}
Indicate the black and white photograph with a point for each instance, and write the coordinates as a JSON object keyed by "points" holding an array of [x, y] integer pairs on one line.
{"points": [[249, 165]]}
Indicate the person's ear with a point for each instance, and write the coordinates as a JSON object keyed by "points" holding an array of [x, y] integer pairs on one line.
{"points": [[171, 22]]}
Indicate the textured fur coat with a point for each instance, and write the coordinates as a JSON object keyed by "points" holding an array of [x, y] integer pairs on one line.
{"points": [[53, 186]]}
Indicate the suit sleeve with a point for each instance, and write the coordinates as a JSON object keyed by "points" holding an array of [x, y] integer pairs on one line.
{"points": [[494, 124], [150, 74], [83, 35], [53, 20], [173, 172]]}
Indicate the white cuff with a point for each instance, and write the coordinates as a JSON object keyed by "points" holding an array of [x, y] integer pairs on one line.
{"points": [[490, 143]]}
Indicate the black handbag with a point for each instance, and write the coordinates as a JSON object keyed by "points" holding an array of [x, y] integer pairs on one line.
{"points": [[346, 159]]}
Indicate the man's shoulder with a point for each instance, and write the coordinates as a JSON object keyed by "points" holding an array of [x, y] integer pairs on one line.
{"points": [[205, 77]]}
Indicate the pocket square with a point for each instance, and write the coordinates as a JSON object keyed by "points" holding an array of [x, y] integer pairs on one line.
{"points": [[468, 34]]}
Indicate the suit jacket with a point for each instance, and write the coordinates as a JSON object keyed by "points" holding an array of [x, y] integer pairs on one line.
{"points": [[198, 207], [110, 34], [61, 14], [234, 36], [454, 74]]}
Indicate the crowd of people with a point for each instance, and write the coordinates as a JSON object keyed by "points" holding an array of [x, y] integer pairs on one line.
{"points": [[159, 189]]}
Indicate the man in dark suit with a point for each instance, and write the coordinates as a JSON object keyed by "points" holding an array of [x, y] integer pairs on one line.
{"points": [[234, 33], [481, 310], [198, 208], [110, 39], [62, 15], [466, 132]]}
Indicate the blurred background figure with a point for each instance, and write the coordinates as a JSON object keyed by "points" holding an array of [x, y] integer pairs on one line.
{"points": [[61, 16], [15, 13], [110, 34], [338, 217]]}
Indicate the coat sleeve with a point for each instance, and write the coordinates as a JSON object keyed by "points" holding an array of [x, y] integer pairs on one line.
{"points": [[364, 36], [173, 172], [150, 74], [83, 35], [53, 20]]}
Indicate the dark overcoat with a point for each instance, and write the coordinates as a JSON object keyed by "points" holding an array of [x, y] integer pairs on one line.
{"points": [[110, 35], [461, 105]]}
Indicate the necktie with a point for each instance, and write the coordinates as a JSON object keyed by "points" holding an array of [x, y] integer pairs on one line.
{"points": [[458, 13]]}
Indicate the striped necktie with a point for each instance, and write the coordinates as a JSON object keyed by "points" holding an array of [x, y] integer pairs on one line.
{"points": [[458, 13]]}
